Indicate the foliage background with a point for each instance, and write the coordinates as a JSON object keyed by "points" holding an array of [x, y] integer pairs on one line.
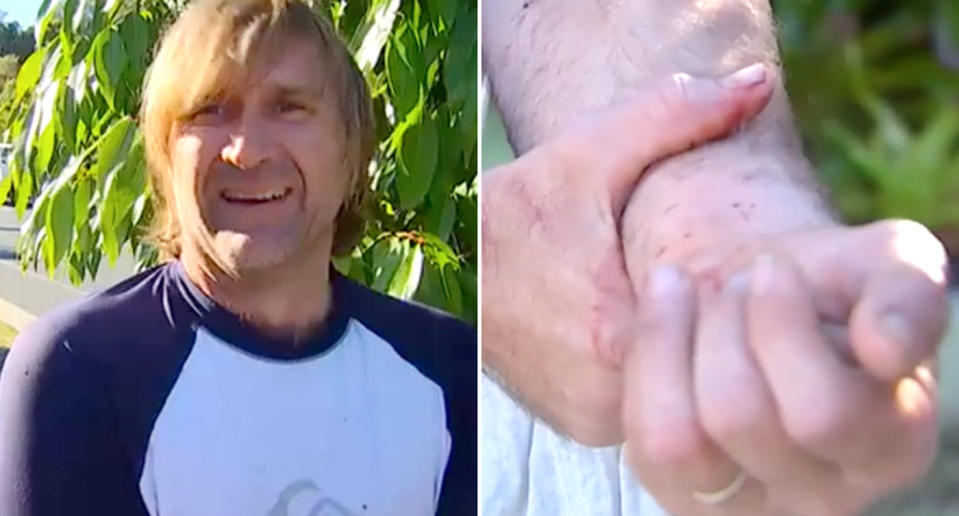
{"points": [[875, 88], [78, 156]]}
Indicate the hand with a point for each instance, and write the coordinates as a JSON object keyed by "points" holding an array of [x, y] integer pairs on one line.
{"points": [[750, 379], [558, 307]]}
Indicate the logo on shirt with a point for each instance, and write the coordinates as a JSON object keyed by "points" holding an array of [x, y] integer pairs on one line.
{"points": [[303, 497]]}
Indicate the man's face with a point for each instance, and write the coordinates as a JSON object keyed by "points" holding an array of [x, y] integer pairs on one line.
{"points": [[263, 169]]}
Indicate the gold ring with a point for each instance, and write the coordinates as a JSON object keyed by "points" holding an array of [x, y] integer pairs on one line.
{"points": [[718, 497]]}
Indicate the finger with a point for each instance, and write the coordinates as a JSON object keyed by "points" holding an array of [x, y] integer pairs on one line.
{"points": [[823, 403], [903, 310], [894, 301], [666, 446], [739, 413], [670, 117]]}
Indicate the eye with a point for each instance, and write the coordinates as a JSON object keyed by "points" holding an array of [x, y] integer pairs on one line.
{"points": [[209, 113], [290, 107]]}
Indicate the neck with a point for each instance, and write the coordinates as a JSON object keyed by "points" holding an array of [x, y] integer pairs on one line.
{"points": [[289, 299]]}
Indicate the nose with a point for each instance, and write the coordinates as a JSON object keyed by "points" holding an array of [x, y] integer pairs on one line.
{"points": [[249, 145]]}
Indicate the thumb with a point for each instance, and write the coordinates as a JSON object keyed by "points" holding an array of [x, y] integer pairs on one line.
{"points": [[667, 118], [887, 281], [902, 311]]}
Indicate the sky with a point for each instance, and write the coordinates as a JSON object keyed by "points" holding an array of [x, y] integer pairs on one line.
{"points": [[22, 11]]}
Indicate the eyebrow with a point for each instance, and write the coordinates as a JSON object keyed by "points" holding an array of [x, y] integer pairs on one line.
{"points": [[315, 92]]}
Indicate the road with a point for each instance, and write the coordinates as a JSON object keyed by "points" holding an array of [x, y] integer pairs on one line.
{"points": [[33, 291]]}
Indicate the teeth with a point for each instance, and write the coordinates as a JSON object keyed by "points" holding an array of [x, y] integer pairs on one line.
{"points": [[262, 196]]}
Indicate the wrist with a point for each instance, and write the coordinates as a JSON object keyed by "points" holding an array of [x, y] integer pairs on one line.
{"points": [[695, 208]]}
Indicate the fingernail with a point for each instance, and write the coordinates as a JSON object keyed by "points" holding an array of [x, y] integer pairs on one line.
{"points": [[665, 280], [764, 272], [895, 327], [738, 282], [746, 77]]}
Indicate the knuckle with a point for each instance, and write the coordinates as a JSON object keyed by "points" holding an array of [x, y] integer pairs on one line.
{"points": [[737, 416], [673, 446], [671, 95], [913, 243], [820, 425]]}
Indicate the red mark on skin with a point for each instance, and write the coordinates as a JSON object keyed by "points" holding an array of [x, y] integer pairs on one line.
{"points": [[744, 212], [613, 303], [710, 279], [527, 201]]}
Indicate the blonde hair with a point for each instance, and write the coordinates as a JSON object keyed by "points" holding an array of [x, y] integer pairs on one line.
{"points": [[214, 45]]}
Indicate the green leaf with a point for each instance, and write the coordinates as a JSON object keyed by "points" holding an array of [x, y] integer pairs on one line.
{"points": [[470, 293], [123, 185], [443, 11], [108, 224], [369, 37], [459, 67], [342, 264], [67, 116], [76, 268], [135, 32], [109, 60], [467, 213], [67, 29], [404, 68], [113, 146], [407, 276], [45, 15], [438, 252], [417, 158], [452, 290], [59, 224], [81, 202], [45, 147], [5, 184], [386, 257], [29, 73], [441, 216], [430, 289], [93, 261]]}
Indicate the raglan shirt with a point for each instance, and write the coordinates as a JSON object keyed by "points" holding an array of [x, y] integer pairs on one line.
{"points": [[150, 399]]}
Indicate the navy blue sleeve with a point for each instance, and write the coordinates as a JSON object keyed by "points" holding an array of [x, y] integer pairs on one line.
{"points": [[59, 452]]}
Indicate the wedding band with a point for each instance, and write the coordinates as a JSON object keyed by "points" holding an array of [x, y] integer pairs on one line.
{"points": [[718, 497]]}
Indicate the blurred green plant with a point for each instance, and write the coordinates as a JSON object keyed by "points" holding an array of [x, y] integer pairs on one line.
{"points": [[78, 155], [875, 88]]}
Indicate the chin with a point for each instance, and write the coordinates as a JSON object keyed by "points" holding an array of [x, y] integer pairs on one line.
{"points": [[246, 252]]}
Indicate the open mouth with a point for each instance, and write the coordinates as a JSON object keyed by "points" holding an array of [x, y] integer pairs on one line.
{"points": [[255, 198]]}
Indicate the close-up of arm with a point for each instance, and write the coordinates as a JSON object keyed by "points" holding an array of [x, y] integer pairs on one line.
{"points": [[736, 233]]}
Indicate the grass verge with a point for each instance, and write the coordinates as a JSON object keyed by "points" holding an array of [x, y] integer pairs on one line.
{"points": [[7, 334]]}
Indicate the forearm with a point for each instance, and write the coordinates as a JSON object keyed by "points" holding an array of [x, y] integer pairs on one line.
{"points": [[553, 61]]}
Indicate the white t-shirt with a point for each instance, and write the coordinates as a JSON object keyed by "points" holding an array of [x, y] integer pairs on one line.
{"points": [[528, 469]]}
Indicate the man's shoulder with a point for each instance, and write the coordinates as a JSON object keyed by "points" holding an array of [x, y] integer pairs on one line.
{"points": [[99, 320], [397, 320]]}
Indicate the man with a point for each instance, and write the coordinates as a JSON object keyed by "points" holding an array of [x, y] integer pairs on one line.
{"points": [[754, 355], [244, 376]]}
